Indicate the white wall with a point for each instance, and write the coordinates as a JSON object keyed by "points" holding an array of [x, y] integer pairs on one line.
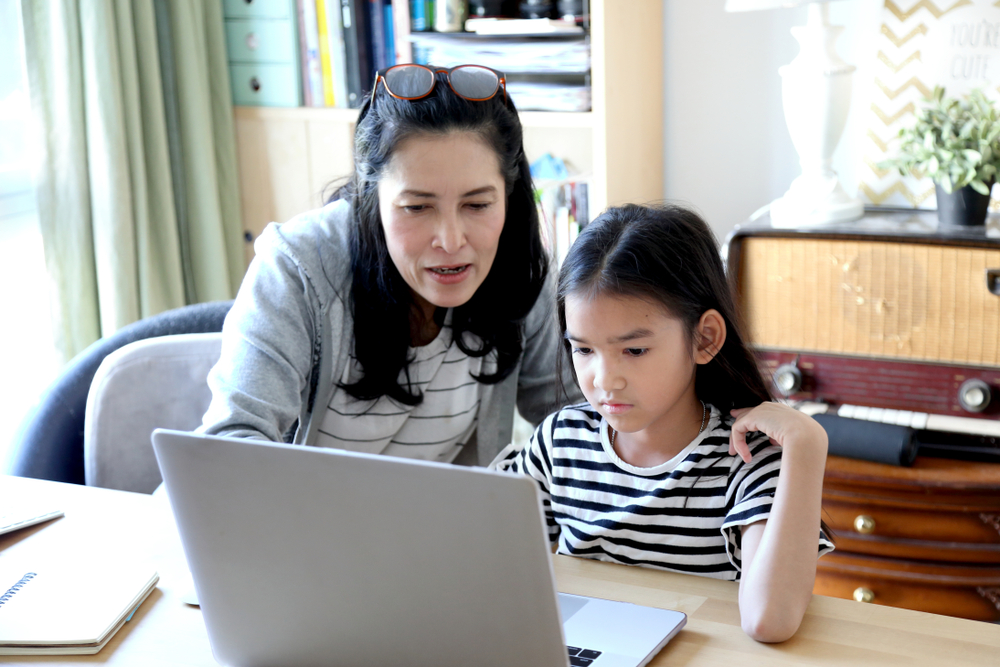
{"points": [[727, 149]]}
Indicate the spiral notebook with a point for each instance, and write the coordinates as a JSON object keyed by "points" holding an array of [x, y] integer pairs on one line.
{"points": [[61, 606]]}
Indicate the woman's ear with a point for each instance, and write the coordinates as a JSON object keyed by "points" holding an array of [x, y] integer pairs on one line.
{"points": [[709, 336]]}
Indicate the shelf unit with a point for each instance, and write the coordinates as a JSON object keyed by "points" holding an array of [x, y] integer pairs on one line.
{"points": [[288, 155]]}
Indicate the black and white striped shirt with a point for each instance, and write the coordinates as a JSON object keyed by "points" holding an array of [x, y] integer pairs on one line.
{"points": [[683, 515]]}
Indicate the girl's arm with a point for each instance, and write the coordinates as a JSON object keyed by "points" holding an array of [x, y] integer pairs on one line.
{"points": [[534, 459], [779, 554]]}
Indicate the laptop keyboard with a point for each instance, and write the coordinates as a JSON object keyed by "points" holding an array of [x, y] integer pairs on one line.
{"points": [[581, 657]]}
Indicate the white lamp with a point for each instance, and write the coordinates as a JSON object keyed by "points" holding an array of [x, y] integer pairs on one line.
{"points": [[816, 95]]}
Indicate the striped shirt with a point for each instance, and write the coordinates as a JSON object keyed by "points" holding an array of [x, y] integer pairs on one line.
{"points": [[434, 430], [683, 515]]}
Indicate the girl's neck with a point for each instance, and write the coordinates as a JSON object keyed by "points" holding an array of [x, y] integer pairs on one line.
{"points": [[666, 437]]}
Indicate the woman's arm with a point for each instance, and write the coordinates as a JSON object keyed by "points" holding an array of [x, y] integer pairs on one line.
{"points": [[267, 348], [779, 554], [540, 388]]}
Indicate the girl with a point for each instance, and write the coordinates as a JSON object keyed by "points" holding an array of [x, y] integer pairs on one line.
{"points": [[674, 461]]}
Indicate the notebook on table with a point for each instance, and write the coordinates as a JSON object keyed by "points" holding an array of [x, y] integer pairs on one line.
{"points": [[304, 556], [64, 605], [16, 515]]}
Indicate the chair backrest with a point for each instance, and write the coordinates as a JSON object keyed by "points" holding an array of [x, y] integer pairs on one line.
{"points": [[49, 441], [149, 384]]}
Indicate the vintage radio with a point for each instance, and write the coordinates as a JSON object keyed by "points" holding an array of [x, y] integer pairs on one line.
{"points": [[890, 325]]}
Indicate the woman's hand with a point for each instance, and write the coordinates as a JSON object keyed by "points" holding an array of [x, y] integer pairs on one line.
{"points": [[782, 424]]}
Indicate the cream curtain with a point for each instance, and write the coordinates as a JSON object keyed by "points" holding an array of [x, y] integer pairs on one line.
{"points": [[138, 190]]}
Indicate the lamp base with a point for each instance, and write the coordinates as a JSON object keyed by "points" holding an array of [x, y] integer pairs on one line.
{"points": [[814, 201]]}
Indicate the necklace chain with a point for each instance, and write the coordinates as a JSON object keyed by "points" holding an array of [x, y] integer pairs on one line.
{"points": [[704, 413]]}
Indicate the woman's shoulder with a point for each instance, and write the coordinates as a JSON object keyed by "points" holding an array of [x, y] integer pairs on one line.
{"points": [[317, 241]]}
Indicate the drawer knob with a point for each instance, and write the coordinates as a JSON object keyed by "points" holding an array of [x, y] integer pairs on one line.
{"points": [[254, 84], [864, 524], [862, 594], [252, 41]]}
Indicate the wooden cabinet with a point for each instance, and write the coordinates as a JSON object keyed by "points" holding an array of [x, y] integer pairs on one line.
{"points": [[288, 156], [925, 537]]}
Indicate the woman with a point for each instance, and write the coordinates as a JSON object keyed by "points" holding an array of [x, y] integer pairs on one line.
{"points": [[408, 315]]}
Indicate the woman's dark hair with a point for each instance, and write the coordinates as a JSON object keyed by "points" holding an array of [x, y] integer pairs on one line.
{"points": [[668, 255], [381, 300]]}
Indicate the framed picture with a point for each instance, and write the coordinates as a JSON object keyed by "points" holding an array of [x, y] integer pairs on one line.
{"points": [[922, 44]]}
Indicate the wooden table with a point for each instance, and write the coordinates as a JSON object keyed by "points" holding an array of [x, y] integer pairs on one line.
{"points": [[165, 631]]}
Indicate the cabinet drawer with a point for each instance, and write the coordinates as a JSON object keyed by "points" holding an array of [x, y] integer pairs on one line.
{"points": [[884, 530], [261, 41], [964, 591], [272, 9], [266, 85]]}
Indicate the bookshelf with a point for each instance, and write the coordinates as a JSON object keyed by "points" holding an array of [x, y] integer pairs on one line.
{"points": [[288, 155]]}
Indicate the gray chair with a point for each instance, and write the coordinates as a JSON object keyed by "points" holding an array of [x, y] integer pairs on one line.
{"points": [[149, 384], [49, 442]]}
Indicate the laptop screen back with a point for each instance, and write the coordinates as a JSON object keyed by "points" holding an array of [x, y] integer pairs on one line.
{"points": [[306, 556]]}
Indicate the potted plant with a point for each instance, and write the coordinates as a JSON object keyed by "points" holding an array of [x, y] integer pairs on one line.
{"points": [[956, 143]]}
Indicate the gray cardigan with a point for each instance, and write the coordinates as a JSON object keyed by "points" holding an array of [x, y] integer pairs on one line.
{"points": [[288, 338]]}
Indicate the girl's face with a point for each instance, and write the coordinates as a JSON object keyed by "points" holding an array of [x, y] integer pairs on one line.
{"points": [[443, 203], [635, 362]]}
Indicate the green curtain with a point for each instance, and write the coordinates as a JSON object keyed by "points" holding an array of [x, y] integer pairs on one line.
{"points": [[138, 185]]}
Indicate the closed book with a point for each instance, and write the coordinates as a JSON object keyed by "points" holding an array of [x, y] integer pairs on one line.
{"points": [[66, 605], [324, 53], [351, 60], [376, 16], [312, 69], [335, 31], [390, 35], [401, 30], [366, 64]]}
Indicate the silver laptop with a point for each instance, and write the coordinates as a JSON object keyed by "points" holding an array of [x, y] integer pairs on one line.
{"points": [[308, 556]]}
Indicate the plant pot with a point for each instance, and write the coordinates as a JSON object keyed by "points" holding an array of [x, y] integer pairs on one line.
{"points": [[963, 207]]}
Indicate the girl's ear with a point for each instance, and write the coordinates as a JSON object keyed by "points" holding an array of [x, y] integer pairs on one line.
{"points": [[709, 336]]}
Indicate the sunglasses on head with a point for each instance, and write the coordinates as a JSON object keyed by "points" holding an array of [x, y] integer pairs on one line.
{"points": [[413, 82]]}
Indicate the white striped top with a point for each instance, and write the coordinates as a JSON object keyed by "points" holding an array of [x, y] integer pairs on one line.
{"points": [[434, 430], [683, 515]]}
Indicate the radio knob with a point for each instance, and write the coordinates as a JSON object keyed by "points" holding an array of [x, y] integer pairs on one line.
{"points": [[787, 379], [974, 395]]}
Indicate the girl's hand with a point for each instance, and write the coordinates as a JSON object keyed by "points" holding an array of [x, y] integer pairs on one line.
{"points": [[779, 422]]}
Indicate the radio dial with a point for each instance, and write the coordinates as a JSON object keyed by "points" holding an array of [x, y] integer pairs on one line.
{"points": [[974, 395], [787, 379]]}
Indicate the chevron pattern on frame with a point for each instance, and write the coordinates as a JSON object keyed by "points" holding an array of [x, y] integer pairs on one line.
{"points": [[915, 39]]}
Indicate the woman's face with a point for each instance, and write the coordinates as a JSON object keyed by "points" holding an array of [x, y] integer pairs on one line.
{"points": [[443, 203]]}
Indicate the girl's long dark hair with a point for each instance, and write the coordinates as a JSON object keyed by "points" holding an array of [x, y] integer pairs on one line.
{"points": [[381, 299], [669, 255]]}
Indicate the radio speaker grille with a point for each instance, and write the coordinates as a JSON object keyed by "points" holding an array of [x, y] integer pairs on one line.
{"points": [[872, 299]]}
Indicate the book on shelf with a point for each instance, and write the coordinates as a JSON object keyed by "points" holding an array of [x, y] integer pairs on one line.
{"points": [[389, 47], [505, 26], [344, 42], [311, 69], [562, 212], [354, 37], [338, 55], [324, 53], [401, 30]]}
